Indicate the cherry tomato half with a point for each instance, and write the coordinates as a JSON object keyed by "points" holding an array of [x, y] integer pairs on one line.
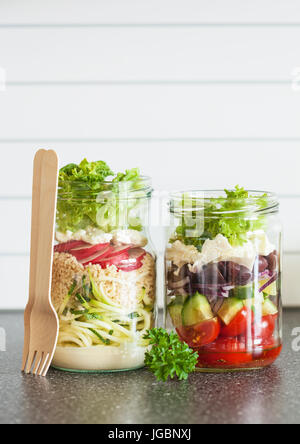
{"points": [[261, 332], [200, 334], [264, 328], [225, 352], [239, 324]]}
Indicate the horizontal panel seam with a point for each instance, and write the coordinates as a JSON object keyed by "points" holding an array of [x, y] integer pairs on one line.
{"points": [[153, 25], [232, 82], [150, 140]]}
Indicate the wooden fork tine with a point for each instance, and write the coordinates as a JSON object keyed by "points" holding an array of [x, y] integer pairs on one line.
{"points": [[38, 360], [30, 361], [26, 350], [43, 363], [47, 363]]}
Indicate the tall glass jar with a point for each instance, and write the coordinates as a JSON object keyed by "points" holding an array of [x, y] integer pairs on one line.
{"points": [[104, 276], [223, 277]]}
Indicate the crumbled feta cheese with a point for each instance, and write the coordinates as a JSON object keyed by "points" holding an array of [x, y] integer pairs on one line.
{"points": [[219, 249], [129, 237], [96, 236], [91, 235], [212, 250], [244, 255], [63, 237], [261, 242], [181, 254]]}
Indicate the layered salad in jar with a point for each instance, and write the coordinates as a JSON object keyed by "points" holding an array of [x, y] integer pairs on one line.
{"points": [[103, 278], [224, 278]]}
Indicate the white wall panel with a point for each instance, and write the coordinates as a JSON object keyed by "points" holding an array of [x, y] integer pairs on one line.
{"points": [[14, 275], [145, 11], [271, 166], [15, 223], [146, 54], [149, 111]]}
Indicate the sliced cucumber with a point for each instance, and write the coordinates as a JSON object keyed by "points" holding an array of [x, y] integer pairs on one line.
{"points": [[175, 310], [255, 302], [230, 308], [196, 309], [243, 292], [269, 308]]}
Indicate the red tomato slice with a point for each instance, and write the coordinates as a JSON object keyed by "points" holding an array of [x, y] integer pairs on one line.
{"points": [[130, 267], [67, 246], [118, 250], [84, 252], [200, 334], [225, 352], [113, 260], [96, 257], [134, 255], [134, 260], [239, 325]]}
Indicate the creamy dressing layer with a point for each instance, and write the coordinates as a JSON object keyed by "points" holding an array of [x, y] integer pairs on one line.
{"points": [[101, 357]]}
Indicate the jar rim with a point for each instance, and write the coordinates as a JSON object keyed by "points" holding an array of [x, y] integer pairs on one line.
{"points": [[200, 200], [123, 190]]}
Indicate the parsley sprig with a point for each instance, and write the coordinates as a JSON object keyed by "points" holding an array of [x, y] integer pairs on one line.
{"points": [[169, 357]]}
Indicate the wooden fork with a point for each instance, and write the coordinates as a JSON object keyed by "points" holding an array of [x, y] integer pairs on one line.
{"points": [[33, 250], [40, 319]]}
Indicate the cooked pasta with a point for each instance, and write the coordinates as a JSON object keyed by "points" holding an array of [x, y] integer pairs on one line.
{"points": [[103, 306]]}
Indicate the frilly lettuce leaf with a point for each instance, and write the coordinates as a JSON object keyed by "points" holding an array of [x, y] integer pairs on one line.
{"points": [[234, 226], [79, 206]]}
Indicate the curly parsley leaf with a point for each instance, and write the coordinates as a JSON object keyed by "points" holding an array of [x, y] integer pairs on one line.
{"points": [[169, 357]]}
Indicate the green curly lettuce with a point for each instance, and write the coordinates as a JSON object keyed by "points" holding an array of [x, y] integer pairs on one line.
{"points": [[129, 175], [90, 173], [234, 225], [87, 199]]}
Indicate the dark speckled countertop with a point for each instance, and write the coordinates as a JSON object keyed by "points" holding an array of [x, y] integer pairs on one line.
{"points": [[271, 395]]}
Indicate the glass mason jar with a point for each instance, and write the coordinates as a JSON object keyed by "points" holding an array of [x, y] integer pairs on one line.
{"points": [[104, 276], [223, 277]]}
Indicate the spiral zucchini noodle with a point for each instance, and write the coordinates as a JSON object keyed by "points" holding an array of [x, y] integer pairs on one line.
{"points": [[94, 313]]}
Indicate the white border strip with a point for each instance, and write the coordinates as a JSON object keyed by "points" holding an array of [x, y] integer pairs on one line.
{"points": [[3, 82]]}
